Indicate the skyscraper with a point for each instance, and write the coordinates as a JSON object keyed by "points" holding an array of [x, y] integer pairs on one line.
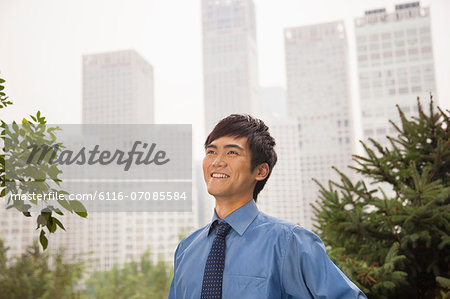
{"points": [[117, 89], [281, 197], [395, 65], [272, 101], [230, 71], [318, 96]]}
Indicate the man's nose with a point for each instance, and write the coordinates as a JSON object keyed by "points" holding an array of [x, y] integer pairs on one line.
{"points": [[219, 161]]}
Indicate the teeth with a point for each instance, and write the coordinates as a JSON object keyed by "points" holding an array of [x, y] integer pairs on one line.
{"points": [[219, 175]]}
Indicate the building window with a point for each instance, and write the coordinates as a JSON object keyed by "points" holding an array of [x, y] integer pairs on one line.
{"points": [[403, 90], [416, 89]]}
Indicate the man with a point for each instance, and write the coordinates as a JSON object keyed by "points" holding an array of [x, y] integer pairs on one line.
{"points": [[244, 253]]}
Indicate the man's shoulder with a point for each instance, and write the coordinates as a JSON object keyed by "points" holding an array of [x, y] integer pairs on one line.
{"points": [[271, 221], [273, 228], [284, 227]]}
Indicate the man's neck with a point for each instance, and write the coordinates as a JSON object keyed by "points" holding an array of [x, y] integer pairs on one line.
{"points": [[226, 207]]}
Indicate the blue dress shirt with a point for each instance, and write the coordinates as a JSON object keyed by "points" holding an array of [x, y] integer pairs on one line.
{"points": [[265, 257]]}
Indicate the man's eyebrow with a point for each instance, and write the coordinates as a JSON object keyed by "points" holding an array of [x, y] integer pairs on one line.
{"points": [[234, 146], [226, 146]]}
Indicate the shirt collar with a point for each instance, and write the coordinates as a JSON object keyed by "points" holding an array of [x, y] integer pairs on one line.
{"points": [[239, 219]]}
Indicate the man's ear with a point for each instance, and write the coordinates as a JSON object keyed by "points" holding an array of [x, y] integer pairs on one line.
{"points": [[262, 171]]}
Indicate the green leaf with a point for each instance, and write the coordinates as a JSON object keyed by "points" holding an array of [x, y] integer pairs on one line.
{"points": [[15, 126], [43, 240], [41, 221], [78, 208], [53, 227], [26, 208], [58, 211], [65, 204], [46, 212], [58, 223]]}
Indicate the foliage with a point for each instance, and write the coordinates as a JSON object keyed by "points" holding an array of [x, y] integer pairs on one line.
{"points": [[46, 275], [22, 177], [38, 275], [135, 280], [394, 243], [3, 98]]}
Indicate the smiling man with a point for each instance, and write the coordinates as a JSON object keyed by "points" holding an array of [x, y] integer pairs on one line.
{"points": [[244, 253]]}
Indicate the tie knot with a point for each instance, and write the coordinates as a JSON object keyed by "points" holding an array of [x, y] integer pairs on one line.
{"points": [[222, 229]]}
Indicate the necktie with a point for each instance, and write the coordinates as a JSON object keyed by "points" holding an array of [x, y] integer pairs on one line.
{"points": [[213, 276]]}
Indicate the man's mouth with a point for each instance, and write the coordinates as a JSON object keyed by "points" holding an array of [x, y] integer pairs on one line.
{"points": [[218, 175]]}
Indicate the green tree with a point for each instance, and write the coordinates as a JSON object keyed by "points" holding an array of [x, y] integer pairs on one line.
{"points": [[394, 243], [18, 176], [143, 279], [38, 275]]}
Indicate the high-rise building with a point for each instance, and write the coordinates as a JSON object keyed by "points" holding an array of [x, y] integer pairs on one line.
{"points": [[230, 70], [318, 96], [395, 65], [117, 89], [281, 196], [272, 101]]}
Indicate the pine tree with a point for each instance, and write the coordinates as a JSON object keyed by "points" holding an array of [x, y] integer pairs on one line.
{"points": [[394, 243]]}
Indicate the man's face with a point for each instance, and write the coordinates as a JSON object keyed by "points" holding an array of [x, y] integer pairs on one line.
{"points": [[226, 169]]}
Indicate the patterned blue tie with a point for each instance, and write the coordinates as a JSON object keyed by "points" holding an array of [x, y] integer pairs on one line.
{"points": [[213, 276]]}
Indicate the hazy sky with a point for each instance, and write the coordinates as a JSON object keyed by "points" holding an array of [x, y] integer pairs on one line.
{"points": [[42, 43]]}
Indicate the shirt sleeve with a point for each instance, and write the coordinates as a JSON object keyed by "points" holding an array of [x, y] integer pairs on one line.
{"points": [[308, 272], [172, 291]]}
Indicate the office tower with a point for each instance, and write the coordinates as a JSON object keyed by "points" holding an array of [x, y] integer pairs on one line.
{"points": [[282, 194], [272, 101], [318, 96], [281, 197], [117, 89], [230, 71], [395, 65]]}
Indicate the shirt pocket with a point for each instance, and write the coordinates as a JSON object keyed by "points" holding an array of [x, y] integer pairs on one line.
{"points": [[243, 286]]}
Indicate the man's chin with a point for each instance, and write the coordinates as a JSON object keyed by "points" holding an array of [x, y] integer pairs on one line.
{"points": [[215, 193]]}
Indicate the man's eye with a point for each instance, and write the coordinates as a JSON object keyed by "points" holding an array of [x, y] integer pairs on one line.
{"points": [[232, 153], [210, 152]]}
